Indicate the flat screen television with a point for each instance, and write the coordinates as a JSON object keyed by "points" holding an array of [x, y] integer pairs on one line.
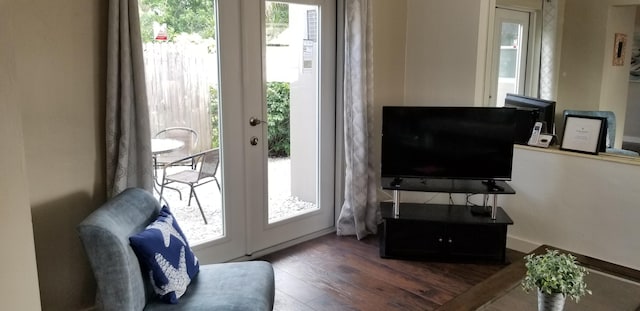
{"points": [[447, 142], [532, 110]]}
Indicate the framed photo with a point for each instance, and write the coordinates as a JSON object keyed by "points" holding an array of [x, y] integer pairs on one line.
{"points": [[583, 133]]}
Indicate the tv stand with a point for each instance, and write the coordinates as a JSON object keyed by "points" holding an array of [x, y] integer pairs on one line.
{"points": [[396, 182], [441, 231], [492, 186]]}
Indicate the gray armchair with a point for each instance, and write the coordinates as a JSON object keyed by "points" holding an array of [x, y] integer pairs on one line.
{"points": [[121, 286]]}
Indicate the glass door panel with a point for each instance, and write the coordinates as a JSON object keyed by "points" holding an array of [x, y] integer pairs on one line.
{"points": [[290, 163], [181, 68], [291, 66]]}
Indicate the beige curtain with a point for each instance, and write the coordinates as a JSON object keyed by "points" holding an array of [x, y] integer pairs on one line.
{"points": [[360, 213], [128, 138]]}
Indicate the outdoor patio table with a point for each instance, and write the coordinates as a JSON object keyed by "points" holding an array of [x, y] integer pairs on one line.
{"points": [[164, 145], [159, 146]]}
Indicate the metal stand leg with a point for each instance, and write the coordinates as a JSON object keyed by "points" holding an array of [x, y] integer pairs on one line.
{"points": [[494, 208], [485, 199], [396, 203]]}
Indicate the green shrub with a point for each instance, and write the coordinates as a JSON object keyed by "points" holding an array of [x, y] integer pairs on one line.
{"points": [[278, 102], [213, 113]]}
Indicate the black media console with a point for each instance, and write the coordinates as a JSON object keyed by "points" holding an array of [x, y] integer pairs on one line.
{"points": [[444, 232]]}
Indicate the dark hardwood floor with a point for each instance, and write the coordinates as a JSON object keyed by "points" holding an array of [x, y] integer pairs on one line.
{"points": [[342, 273]]}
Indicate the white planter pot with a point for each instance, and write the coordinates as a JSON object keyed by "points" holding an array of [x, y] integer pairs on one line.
{"points": [[550, 302]]}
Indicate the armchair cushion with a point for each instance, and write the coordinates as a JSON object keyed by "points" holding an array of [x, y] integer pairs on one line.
{"points": [[165, 257], [227, 286]]}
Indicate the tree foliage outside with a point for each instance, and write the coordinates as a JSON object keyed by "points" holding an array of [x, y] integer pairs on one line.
{"points": [[278, 116], [215, 119], [198, 17], [276, 19], [180, 16]]}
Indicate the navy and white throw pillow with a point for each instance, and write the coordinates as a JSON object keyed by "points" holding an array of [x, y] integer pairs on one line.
{"points": [[165, 256]]}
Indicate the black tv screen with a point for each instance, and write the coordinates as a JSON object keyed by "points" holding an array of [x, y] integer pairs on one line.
{"points": [[447, 142]]}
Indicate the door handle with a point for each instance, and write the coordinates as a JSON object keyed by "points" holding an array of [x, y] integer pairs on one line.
{"points": [[253, 121]]}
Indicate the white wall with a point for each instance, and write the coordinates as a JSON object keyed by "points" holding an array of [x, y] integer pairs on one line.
{"points": [[442, 52], [632, 124], [588, 80], [19, 286], [579, 203], [303, 110], [389, 43], [580, 80], [56, 58], [615, 79]]}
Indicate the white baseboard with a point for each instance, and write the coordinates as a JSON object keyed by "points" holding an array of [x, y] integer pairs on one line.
{"points": [[521, 245]]}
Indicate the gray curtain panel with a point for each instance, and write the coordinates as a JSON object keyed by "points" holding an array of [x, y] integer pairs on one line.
{"points": [[548, 56], [128, 137], [360, 213]]}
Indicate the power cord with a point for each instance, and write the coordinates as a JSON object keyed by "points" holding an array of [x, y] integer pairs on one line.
{"points": [[430, 199], [468, 202]]}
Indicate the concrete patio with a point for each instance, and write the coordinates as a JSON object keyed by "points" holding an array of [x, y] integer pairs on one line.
{"points": [[282, 204]]}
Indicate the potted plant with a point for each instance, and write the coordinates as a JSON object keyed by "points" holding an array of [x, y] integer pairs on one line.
{"points": [[555, 276]]}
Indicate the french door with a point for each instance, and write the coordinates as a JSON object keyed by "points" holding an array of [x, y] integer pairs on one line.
{"points": [[277, 123], [509, 54]]}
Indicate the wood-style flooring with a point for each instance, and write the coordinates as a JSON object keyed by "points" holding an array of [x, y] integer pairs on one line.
{"points": [[342, 273]]}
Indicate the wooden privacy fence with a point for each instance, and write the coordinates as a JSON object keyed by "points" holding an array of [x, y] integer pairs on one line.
{"points": [[179, 77]]}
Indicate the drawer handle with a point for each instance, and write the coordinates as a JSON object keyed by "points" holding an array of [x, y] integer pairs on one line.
{"points": [[450, 241], [440, 240]]}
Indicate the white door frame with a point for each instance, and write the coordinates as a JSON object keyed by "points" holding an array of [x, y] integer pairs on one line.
{"points": [[532, 56], [241, 51], [261, 234], [233, 244], [508, 15]]}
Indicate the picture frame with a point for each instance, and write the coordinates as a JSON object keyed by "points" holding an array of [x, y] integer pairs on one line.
{"points": [[583, 133]]}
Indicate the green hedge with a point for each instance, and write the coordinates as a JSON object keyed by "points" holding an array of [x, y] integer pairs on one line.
{"points": [[213, 113], [278, 98], [278, 104]]}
